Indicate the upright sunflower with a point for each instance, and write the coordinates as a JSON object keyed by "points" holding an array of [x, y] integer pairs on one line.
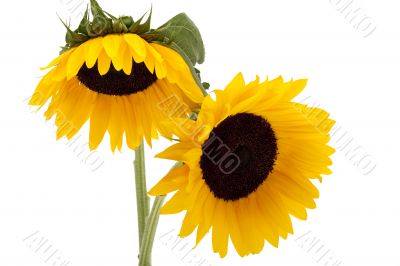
{"points": [[247, 164], [116, 72]]}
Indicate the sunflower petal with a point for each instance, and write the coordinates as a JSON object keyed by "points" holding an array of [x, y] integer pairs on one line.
{"points": [[104, 63], [137, 45], [171, 182], [111, 44], [220, 234], [75, 61], [99, 120], [93, 51]]}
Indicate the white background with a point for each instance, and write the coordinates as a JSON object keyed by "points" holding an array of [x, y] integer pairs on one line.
{"points": [[90, 217]]}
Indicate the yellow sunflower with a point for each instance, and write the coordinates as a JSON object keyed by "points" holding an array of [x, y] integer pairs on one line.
{"points": [[247, 164], [115, 72]]}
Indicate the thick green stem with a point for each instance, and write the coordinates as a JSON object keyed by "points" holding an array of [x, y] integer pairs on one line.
{"points": [[141, 191], [151, 228], [150, 232], [147, 223]]}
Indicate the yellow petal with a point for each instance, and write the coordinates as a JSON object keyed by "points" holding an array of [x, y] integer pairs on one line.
{"points": [[44, 90], [119, 60], [267, 227], [150, 63], [251, 239], [151, 52], [207, 217], [115, 126], [168, 183], [58, 59], [127, 62], [177, 151], [161, 70], [137, 45], [294, 191], [93, 51], [60, 72], [104, 63], [234, 230], [67, 109], [220, 230], [295, 208], [271, 201], [132, 129], [173, 58], [111, 44], [176, 204], [99, 120], [84, 107], [236, 84], [189, 87], [295, 88], [75, 61], [189, 223], [144, 116]]}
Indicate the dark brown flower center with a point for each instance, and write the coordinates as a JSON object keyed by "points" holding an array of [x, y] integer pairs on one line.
{"points": [[117, 82], [238, 156]]}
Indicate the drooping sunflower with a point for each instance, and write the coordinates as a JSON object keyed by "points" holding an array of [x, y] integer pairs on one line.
{"points": [[117, 73], [247, 164]]}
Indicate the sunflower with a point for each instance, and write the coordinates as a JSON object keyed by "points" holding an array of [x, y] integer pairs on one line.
{"points": [[116, 72], [247, 164]]}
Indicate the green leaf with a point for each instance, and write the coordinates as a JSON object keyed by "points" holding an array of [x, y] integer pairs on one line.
{"points": [[64, 49], [127, 20], [139, 28], [183, 33], [100, 26], [135, 25], [145, 27], [97, 11], [119, 26], [85, 22], [111, 16], [72, 37]]}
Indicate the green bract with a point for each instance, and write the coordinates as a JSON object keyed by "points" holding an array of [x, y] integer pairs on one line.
{"points": [[179, 33]]}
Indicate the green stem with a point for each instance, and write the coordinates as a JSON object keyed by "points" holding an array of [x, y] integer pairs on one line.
{"points": [[150, 231], [151, 228], [141, 191]]}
